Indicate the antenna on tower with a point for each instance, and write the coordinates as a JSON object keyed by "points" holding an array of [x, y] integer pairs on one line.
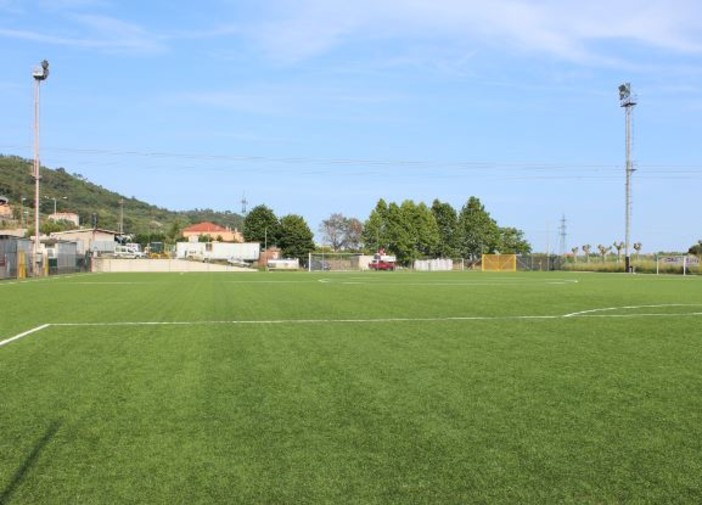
{"points": [[243, 203]]}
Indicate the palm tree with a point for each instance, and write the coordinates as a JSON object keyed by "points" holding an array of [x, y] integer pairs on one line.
{"points": [[575, 253], [637, 248], [618, 246], [603, 251], [586, 249]]}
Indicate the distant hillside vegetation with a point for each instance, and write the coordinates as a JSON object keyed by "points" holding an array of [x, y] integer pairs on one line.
{"points": [[87, 199]]}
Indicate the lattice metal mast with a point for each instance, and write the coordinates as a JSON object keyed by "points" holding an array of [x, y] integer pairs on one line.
{"points": [[562, 234]]}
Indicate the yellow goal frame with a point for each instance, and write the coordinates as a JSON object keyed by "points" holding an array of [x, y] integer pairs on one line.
{"points": [[499, 263]]}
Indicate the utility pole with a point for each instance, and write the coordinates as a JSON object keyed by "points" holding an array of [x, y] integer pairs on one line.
{"points": [[40, 73], [22, 214], [121, 216], [55, 199], [627, 101], [243, 204]]}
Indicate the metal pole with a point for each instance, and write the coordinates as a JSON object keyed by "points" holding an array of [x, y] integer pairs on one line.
{"points": [[627, 218], [37, 176], [40, 74], [121, 216], [627, 101]]}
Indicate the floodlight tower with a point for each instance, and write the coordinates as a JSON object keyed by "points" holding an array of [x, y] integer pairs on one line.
{"points": [[627, 101], [40, 74]]}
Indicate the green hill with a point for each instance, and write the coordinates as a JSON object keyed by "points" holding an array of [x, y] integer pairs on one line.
{"points": [[88, 200]]}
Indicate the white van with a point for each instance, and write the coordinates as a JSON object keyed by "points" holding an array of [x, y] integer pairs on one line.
{"points": [[122, 251]]}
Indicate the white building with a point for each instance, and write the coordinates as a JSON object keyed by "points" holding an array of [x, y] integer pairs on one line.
{"points": [[93, 240], [71, 217], [212, 251]]}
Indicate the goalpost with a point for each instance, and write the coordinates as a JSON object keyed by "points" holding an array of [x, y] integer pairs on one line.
{"points": [[333, 262], [499, 263]]}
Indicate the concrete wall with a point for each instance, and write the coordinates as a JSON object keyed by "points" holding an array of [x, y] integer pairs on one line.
{"points": [[149, 265]]}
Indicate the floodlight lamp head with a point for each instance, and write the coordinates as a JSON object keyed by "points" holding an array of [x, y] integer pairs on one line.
{"points": [[41, 72], [624, 91]]}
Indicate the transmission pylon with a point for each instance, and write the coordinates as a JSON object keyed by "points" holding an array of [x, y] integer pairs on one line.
{"points": [[562, 234], [243, 204]]}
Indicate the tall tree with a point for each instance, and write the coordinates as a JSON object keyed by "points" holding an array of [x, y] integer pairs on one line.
{"points": [[296, 239], [619, 246], [512, 241], [604, 250], [399, 236], [638, 245], [478, 232], [333, 231], [447, 223], [424, 232], [261, 225], [175, 231], [374, 233], [354, 234], [342, 233]]}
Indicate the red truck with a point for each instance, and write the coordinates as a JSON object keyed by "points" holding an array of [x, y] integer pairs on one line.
{"points": [[382, 262]]}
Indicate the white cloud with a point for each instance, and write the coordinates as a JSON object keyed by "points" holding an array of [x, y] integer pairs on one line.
{"points": [[56, 5], [93, 31], [566, 29], [114, 33]]}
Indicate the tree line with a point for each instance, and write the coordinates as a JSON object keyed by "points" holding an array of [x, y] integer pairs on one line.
{"points": [[412, 231], [407, 230]]}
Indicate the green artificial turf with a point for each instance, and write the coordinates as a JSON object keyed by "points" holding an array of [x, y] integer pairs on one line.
{"points": [[378, 387]]}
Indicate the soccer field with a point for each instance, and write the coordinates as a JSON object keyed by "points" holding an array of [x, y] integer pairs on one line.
{"points": [[375, 387]]}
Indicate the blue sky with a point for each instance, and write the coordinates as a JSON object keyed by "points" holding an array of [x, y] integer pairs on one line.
{"points": [[319, 106]]}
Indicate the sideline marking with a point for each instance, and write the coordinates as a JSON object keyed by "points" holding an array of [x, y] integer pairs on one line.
{"points": [[22, 335]]}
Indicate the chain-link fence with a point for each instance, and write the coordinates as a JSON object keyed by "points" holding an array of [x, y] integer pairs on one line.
{"points": [[17, 259]]}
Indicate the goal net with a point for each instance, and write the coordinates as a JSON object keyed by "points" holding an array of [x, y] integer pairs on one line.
{"points": [[499, 263], [319, 262]]}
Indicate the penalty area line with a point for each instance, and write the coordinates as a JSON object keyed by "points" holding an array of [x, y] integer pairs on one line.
{"points": [[585, 314], [24, 334], [302, 321]]}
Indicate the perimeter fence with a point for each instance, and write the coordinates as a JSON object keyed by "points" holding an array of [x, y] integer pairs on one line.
{"points": [[17, 259]]}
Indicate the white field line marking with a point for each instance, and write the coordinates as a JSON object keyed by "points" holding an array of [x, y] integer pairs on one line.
{"points": [[51, 278], [632, 307], [111, 283], [306, 281], [632, 316], [361, 282], [22, 335], [304, 321], [582, 314]]}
